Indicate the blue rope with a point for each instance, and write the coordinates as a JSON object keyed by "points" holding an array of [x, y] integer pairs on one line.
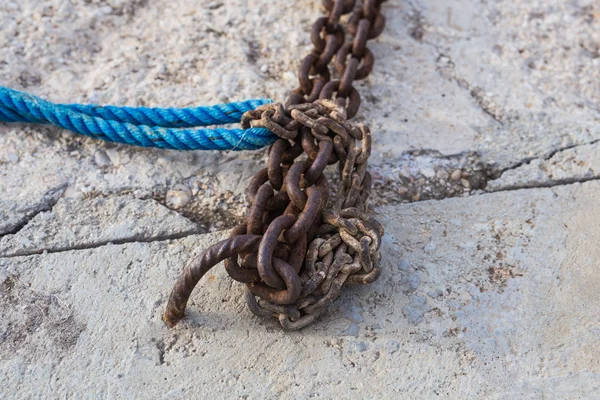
{"points": [[142, 126]]}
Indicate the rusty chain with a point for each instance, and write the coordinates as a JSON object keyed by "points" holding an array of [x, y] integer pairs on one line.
{"points": [[299, 246]]}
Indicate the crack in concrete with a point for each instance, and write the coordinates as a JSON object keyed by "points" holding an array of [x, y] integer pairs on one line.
{"points": [[484, 173], [446, 68], [88, 246], [478, 94], [524, 186], [156, 193], [486, 105], [556, 183], [547, 157], [183, 235], [47, 203], [427, 175]]}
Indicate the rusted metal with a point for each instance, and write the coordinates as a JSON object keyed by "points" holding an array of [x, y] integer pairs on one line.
{"points": [[300, 245], [199, 267]]}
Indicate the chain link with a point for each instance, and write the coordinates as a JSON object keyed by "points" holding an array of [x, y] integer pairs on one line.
{"points": [[299, 246]]}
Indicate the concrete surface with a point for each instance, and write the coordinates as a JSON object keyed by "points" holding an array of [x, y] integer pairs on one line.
{"points": [[485, 120]]}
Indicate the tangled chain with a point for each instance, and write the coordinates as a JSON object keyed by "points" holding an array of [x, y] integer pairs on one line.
{"points": [[299, 247]]}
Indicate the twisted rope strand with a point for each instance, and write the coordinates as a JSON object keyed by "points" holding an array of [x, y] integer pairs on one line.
{"points": [[142, 126], [173, 117]]}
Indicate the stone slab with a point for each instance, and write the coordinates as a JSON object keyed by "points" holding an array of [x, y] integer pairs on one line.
{"points": [[490, 296], [75, 224]]}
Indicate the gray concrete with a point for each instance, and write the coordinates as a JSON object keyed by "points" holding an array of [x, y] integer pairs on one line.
{"points": [[488, 291], [488, 296], [77, 224]]}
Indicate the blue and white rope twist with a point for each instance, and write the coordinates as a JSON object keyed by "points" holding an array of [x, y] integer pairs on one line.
{"points": [[142, 126]]}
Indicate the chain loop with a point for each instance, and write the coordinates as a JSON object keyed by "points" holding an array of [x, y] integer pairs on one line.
{"points": [[299, 247]]}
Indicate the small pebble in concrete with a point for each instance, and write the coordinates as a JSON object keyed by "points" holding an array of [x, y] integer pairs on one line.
{"points": [[404, 265], [430, 247], [114, 156], [101, 159], [456, 175], [73, 193], [415, 309], [410, 282], [434, 294], [392, 346], [178, 197], [352, 330], [428, 172], [12, 157], [354, 314], [442, 176], [357, 347]]}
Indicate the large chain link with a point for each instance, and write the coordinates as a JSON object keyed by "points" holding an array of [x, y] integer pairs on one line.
{"points": [[299, 246]]}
